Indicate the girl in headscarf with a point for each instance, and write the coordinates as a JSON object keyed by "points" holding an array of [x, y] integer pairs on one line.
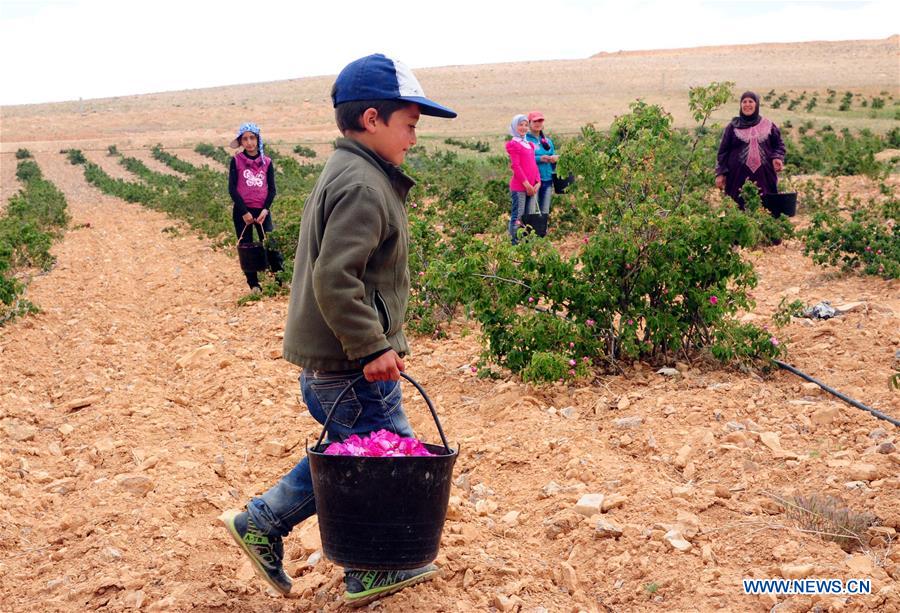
{"points": [[251, 184], [751, 148], [526, 180], [546, 158]]}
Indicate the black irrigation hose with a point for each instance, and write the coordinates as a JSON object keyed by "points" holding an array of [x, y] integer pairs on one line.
{"points": [[846, 399]]}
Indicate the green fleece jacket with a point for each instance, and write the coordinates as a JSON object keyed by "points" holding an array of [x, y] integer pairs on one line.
{"points": [[351, 282]]}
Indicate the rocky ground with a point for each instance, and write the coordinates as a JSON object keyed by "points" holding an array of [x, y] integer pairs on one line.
{"points": [[142, 401]]}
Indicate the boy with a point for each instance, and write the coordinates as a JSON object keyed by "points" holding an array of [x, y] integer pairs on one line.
{"points": [[348, 303]]}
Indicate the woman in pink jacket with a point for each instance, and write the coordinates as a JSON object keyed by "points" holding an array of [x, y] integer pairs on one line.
{"points": [[526, 180]]}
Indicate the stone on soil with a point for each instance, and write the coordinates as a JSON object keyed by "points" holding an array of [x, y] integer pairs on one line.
{"points": [[677, 540], [139, 485], [485, 507], [273, 448], [825, 416], [682, 491], [612, 501], [589, 504], [20, 433], [511, 518], [850, 307], [886, 447], [195, 358], [628, 422], [797, 571], [683, 456], [80, 403], [862, 471], [607, 528]]}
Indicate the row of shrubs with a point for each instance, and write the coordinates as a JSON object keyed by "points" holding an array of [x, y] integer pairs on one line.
{"points": [[480, 146], [874, 103], [654, 275], [35, 217], [201, 197], [829, 153], [173, 162]]}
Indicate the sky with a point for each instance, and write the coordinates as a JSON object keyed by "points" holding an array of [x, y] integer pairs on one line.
{"points": [[56, 50]]}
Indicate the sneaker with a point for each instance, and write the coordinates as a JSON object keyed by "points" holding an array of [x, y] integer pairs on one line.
{"points": [[266, 552], [256, 289], [365, 586]]}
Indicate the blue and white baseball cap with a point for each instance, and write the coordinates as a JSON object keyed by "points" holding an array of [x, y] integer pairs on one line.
{"points": [[376, 77]]}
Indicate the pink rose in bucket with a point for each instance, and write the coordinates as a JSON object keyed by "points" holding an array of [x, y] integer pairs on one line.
{"points": [[381, 444]]}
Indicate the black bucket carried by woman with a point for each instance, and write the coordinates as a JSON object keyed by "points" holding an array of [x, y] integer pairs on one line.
{"points": [[382, 513], [252, 256], [781, 204]]}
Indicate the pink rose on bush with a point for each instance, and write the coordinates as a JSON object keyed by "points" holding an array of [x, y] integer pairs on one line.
{"points": [[713, 300]]}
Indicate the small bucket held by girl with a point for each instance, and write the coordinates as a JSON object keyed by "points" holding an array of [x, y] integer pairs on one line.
{"points": [[252, 256]]}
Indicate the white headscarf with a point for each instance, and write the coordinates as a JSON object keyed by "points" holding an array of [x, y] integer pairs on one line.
{"points": [[515, 124], [515, 133]]}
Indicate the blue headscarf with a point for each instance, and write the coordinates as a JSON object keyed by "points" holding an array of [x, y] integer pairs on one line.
{"points": [[248, 127]]}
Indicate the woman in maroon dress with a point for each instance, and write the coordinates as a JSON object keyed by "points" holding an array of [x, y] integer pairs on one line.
{"points": [[751, 148]]}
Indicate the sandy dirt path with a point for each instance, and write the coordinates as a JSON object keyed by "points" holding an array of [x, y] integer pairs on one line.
{"points": [[9, 184], [123, 303]]}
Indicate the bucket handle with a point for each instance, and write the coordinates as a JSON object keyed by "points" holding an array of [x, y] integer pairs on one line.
{"points": [[247, 225], [344, 391]]}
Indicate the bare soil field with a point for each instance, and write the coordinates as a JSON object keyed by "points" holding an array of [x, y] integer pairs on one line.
{"points": [[142, 401]]}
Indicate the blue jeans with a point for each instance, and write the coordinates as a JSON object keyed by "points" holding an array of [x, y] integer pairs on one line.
{"points": [[366, 408], [545, 193], [521, 204]]}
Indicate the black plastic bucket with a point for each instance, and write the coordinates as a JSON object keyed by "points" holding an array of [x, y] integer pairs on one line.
{"points": [[560, 185], [252, 256], [382, 513], [537, 222], [781, 204]]}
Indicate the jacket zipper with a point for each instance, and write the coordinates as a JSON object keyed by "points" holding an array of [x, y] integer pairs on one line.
{"points": [[381, 305]]}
